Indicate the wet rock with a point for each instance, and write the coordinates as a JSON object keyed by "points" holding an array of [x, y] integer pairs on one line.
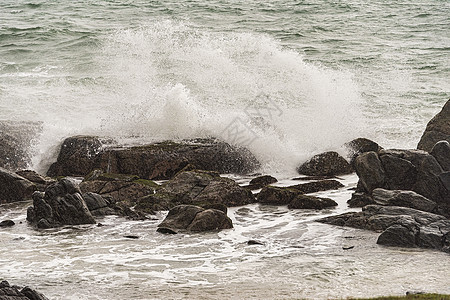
{"points": [[77, 157], [14, 188], [325, 164], [195, 219], [8, 292], [317, 186], [255, 242], [7, 223], [403, 198], [98, 205], [438, 129], [359, 146], [200, 188], [359, 199], [133, 237], [61, 204], [122, 188], [261, 181], [311, 202], [80, 155], [41, 182], [370, 171], [164, 230], [400, 226], [441, 151], [272, 195], [16, 141]]}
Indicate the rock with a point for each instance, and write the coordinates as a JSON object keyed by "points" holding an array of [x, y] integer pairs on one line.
{"points": [[400, 226], [438, 129], [200, 188], [400, 173], [254, 242], [164, 230], [260, 182], [77, 157], [7, 223], [8, 292], [325, 164], [98, 205], [360, 200], [359, 146], [271, 195], [133, 237], [370, 171], [81, 155], [122, 188], [195, 219], [16, 141], [311, 202], [403, 198], [441, 151], [41, 182], [14, 188], [61, 204], [317, 186]]}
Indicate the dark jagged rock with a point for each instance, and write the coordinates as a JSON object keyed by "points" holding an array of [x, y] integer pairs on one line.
{"points": [[260, 182], [98, 205], [400, 226], [16, 141], [325, 164], [370, 171], [360, 200], [61, 204], [200, 188], [438, 129], [441, 151], [403, 198], [7, 223], [8, 292], [123, 188], [80, 155], [14, 188], [255, 242], [311, 202], [359, 146], [317, 186], [195, 219]]}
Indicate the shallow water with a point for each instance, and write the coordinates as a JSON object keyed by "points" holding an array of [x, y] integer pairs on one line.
{"points": [[299, 258]]}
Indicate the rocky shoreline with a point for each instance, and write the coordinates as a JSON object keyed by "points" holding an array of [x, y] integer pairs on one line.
{"points": [[404, 194]]}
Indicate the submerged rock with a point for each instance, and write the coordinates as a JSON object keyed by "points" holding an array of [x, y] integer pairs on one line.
{"points": [[195, 219], [311, 202], [8, 292], [80, 155], [325, 164], [60, 204], [438, 129], [7, 223], [14, 188]]}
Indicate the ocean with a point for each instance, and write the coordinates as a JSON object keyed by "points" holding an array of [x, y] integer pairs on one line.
{"points": [[291, 78]]}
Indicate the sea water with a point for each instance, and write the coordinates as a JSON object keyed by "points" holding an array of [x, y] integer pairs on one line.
{"points": [[294, 78]]}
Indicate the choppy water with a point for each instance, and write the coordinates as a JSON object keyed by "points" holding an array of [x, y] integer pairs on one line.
{"points": [[297, 77]]}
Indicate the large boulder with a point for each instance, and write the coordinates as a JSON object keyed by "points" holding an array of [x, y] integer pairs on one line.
{"points": [[81, 155], [195, 219], [399, 226], [370, 171], [438, 129], [8, 292], [16, 143], [196, 187], [60, 204], [325, 164], [14, 188]]}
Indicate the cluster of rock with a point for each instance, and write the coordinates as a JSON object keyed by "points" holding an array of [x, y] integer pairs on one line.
{"points": [[12, 292], [405, 194]]}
